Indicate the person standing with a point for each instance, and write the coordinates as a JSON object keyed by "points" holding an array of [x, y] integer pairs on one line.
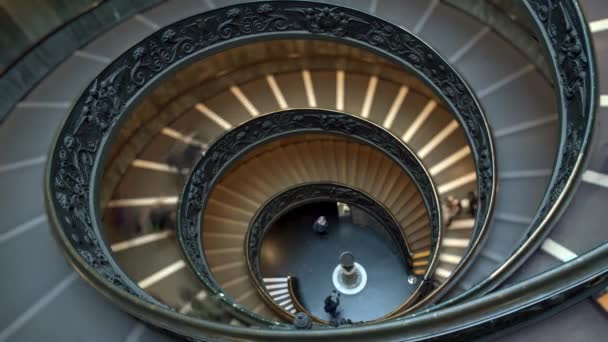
{"points": [[331, 304], [320, 226]]}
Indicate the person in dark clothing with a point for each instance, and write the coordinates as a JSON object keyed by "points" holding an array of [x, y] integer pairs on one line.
{"points": [[331, 304], [320, 226]]}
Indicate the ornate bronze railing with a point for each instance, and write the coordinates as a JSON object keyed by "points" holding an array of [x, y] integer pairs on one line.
{"points": [[76, 162]]}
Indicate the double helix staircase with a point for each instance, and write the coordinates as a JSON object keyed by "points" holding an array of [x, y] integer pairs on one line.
{"points": [[157, 149]]}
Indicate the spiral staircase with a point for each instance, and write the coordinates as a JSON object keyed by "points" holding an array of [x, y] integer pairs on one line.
{"points": [[180, 156]]}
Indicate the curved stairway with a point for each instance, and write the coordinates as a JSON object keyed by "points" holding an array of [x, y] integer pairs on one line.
{"points": [[438, 140], [262, 175], [515, 96]]}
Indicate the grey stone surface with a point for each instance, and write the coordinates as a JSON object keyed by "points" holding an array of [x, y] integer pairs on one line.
{"points": [[461, 26], [312, 259], [581, 322], [46, 55], [21, 198], [174, 10], [78, 314], [481, 267], [594, 9], [502, 17], [404, 16], [538, 263], [28, 132], [489, 61], [503, 236], [361, 5], [520, 196], [114, 42], [31, 253], [152, 335], [598, 159], [24, 26], [67, 82], [526, 98], [583, 224], [528, 150]]}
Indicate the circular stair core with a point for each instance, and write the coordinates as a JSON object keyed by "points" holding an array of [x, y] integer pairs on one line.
{"points": [[292, 247], [270, 165]]}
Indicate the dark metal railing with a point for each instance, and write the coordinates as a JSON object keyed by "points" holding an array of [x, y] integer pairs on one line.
{"points": [[566, 41], [85, 138]]}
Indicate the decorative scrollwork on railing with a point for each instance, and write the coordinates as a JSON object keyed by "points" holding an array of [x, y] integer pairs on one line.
{"points": [[75, 154], [86, 136], [570, 48], [572, 67]]}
